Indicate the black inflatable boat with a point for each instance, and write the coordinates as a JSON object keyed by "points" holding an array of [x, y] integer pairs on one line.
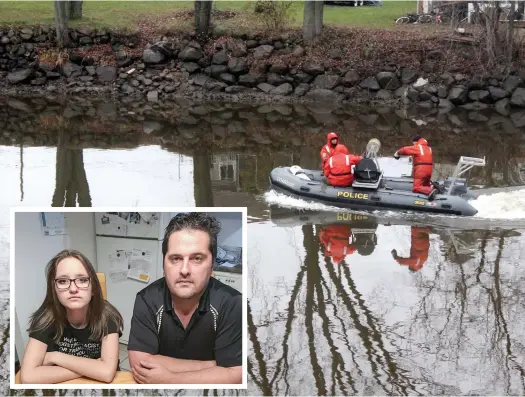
{"points": [[372, 191]]}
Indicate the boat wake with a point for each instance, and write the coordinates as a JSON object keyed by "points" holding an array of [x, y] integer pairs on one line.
{"points": [[497, 210], [501, 205]]}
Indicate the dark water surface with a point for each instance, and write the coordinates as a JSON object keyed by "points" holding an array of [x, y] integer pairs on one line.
{"points": [[449, 321]]}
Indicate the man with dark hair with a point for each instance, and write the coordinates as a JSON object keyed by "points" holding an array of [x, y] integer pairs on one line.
{"points": [[187, 326]]}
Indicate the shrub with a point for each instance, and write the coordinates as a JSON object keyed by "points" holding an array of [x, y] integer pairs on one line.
{"points": [[273, 14]]}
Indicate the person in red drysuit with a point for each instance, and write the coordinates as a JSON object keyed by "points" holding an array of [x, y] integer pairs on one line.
{"points": [[332, 147], [422, 165], [419, 246], [339, 169], [337, 241]]}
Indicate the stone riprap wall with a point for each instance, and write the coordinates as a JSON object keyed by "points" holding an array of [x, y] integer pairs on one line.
{"points": [[275, 69]]}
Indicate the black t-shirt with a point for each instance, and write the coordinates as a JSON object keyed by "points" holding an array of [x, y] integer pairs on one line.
{"points": [[213, 333], [74, 341]]}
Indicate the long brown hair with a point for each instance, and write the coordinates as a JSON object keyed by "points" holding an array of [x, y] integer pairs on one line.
{"points": [[52, 312]]}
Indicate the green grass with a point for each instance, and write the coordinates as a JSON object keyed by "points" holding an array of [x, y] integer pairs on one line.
{"points": [[125, 14], [366, 16]]}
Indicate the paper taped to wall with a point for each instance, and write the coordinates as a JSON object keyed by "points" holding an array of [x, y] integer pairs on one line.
{"points": [[53, 223], [140, 265], [119, 266]]}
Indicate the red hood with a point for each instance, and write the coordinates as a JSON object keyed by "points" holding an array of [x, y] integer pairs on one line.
{"points": [[331, 135], [422, 141]]}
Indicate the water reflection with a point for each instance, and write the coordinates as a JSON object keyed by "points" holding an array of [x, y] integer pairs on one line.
{"points": [[71, 186], [340, 240], [267, 130], [419, 245], [202, 179], [374, 328], [339, 303]]}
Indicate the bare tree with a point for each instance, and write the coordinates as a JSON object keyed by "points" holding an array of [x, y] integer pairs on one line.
{"points": [[75, 9], [61, 22], [499, 37]]}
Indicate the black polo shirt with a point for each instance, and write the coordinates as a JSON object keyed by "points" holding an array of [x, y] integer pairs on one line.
{"points": [[213, 333]]}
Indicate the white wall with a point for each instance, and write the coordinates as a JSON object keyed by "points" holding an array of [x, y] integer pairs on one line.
{"points": [[33, 250]]}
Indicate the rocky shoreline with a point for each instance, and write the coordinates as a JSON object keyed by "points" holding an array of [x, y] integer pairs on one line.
{"points": [[235, 69]]}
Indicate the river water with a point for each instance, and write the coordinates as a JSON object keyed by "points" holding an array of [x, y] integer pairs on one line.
{"points": [[332, 309]]}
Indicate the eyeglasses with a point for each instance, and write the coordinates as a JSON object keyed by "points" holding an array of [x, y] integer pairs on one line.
{"points": [[64, 283]]}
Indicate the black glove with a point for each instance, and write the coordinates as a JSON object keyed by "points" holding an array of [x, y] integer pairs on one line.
{"points": [[397, 156], [394, 253]]}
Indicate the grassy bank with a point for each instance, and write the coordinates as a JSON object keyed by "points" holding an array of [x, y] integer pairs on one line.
{"points": [[172, 15]]}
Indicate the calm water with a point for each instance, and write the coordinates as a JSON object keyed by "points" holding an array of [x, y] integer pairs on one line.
{"points": [[318, 323]]}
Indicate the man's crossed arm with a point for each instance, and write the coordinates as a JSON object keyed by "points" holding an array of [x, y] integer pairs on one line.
{"points": [[157, 369]]}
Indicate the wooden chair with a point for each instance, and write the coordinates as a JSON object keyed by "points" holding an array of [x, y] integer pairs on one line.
{"points": [[102, 280]]}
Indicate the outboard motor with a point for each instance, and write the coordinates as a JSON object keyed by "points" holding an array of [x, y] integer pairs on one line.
{"points": [[298, 172], [459, 188], [372, 148]]}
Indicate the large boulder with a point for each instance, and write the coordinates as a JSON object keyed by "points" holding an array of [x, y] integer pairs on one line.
{"points": [[388, 81], [283, 89], [458, 95], [518, 97], [326, 81], [190, 54], [238, 66], [20, 75], [263, 52], [322, 95], [152, 56], [313, 68]]}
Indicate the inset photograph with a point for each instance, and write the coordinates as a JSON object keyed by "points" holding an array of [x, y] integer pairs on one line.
{"points": [[128, 298]]}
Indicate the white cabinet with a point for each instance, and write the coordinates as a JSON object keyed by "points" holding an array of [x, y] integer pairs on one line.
{"points": [[122, 292], [232, 279]]}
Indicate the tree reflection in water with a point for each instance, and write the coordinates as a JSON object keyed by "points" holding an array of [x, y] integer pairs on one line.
{"points": [[71, 184], [465, 322]]}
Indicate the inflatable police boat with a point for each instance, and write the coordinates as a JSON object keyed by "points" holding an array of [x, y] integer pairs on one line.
{"points": [[372, 191]]}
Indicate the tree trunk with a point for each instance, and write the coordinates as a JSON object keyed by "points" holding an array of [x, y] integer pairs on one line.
{"points": [[75, 9], [495, 41], [319, 8], [521, 8], [197, 12], [309, 20], [477, 13], [61, 20], [509, 37], [21, 167], [203, 25]]}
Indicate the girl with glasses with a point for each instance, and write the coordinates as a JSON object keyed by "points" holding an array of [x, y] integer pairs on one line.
{"points": [[75, 332]]}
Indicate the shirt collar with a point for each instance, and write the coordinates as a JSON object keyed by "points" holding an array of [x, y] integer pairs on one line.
{"points": [[204, 302]]}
